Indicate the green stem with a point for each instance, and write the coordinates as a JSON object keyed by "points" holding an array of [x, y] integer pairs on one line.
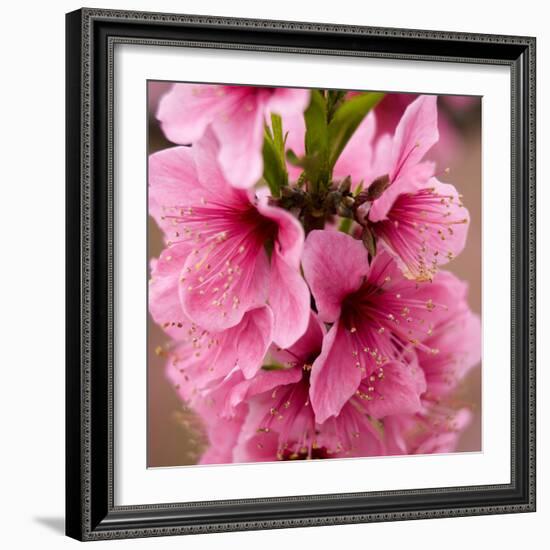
{"points": [[345, 225]]}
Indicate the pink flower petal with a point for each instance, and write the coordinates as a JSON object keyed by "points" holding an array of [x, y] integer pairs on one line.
{"points": [[306, 347], [262, 447], [281, 425], [187, 109], [172, 176], [290, 234], [288, 294], [182, 179], [199, 357], [164, 304], [417, 176], [334, 266], [253, 340], [264, 381], [220, 284], [222, 432], [394, 389], [351, 434], [288, 101], [242, 138], [457, 339], [395, 435], [391, 109], [206, 153], [381, 162], [414, 136], [458, 351], [405, 308], [356, 158], [236, 114], [335, 375], [289, 299]]}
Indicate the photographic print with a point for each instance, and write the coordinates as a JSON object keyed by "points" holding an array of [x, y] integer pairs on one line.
{"points": [[314, 274], [278, 285]]}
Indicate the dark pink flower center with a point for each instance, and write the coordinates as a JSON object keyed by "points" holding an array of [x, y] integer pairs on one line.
{"points": [[262, 230], [383, 318]]}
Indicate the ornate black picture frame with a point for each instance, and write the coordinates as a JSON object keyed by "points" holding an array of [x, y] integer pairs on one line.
{"points": [[90, 510]]}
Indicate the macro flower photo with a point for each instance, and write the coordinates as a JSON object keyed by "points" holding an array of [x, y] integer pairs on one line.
{"points": [[314, 274]]}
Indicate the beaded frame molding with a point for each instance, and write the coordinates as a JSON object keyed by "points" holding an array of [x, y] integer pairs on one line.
{"points": [[90, 41]]}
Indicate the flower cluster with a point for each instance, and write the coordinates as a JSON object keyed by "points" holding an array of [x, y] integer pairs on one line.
{"points": [[300, 284]]}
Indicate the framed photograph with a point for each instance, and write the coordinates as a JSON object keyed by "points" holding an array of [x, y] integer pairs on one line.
{"points": [[300, 274]]}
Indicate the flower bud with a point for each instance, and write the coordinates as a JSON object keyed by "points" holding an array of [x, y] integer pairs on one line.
{"points": [[377, 187], [345, 185], [344, 211], [348, 202]]}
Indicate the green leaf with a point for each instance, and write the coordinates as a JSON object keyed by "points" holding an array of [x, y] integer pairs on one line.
{"points": [[311, 164], [346, 120], [275, 173], [316, 124], [278, 138], [316, 141], [293, 158], [334, 98]]}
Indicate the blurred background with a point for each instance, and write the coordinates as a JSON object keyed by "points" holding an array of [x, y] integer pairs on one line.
{"points": [[174, 435]]}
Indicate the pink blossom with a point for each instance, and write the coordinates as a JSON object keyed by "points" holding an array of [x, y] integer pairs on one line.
{"points": [[457, 339], [424, 229], [273, 432], [400, 158], [270, 416], [436, 429], [236, 114], [280, 423], [420, 221], [223, 404], [198, 354], [228, 271], [376, 313], [224, 407]]}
